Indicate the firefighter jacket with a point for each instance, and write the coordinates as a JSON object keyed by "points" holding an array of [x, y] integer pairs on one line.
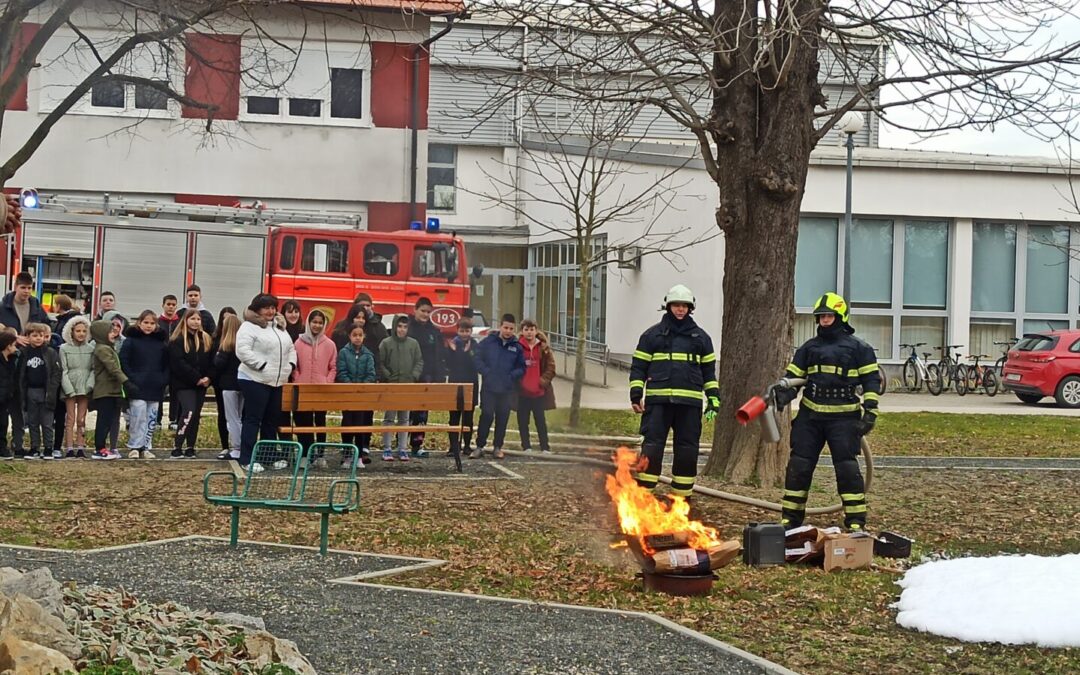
{"points": [[674, 363], [834, 363]]}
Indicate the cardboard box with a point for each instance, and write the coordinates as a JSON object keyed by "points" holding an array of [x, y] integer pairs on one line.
{"points": [[849, 552]]}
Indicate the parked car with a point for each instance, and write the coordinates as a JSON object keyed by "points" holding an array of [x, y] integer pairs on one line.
{"points": [[1045, 364]]}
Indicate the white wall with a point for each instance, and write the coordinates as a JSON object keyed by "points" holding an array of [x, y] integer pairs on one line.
{"points": [[294, 162], [474, 166]]}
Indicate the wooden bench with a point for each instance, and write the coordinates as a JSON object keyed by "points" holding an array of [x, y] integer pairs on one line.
{"points": [[282, 477], [451, 397]]}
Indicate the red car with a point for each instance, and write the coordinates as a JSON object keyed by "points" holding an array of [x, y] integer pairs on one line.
{"points": [[1045, 364]]}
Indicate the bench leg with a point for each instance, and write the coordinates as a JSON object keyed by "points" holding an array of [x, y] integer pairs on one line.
{"points": [[234, 526], [324, 533]]}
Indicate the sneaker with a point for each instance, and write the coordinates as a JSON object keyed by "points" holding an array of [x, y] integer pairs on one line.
{"points": [[228, 454], [6, 454], [134, 454], [545, 451], [255, 467], [57, 454], [70, 454], [387, 456], [189, 453], [529, 449], [106, 454], [403, 456], [33, 454], [146, 454], [365, 457], [477, 453], [172, 426], [499, 454], [420, 453], [279, 465], [80, 453], [347, 465], [19, 453], [176, 454]]}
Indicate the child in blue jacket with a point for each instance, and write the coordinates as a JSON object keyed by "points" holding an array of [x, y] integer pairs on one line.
{"points": [[356, 364], [501, 362]]}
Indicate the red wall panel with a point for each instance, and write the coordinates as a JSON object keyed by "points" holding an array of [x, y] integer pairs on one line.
{"points": [[212, 75], [391, 84], [22, 39], [391, 216]]}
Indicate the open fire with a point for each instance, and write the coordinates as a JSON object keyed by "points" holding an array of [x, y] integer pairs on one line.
{"points": [[661, 534]]}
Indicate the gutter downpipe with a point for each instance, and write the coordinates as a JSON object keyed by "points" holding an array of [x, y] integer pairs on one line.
{"points": [[414, 113]]}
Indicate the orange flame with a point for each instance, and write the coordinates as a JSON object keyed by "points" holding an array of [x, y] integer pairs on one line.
{"points": [[640, 513]]}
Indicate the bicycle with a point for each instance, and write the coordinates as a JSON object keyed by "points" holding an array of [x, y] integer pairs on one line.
{"points": [[981, 376], [915, 370], [950, 370], [999, 365], [884, 377]]}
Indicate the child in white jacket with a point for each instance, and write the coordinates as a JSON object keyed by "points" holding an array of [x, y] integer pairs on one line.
{"points": [[267, 358]]}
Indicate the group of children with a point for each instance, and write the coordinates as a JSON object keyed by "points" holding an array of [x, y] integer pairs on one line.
{"points": [[117, 369]]}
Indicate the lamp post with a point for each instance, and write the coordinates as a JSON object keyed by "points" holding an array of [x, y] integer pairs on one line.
{"points": [[850, 123]]}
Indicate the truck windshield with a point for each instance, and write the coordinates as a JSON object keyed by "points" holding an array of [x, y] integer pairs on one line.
{"points": [[435, 262]]}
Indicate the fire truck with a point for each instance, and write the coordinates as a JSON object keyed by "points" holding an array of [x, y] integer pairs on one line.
{"points": [[142, 250]]}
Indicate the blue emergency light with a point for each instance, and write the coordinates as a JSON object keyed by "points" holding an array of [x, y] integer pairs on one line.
{"points": [[432, 224], [416, 225], [28, 198]]}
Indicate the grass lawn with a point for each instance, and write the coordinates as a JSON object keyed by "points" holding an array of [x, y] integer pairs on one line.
{"points": [[546, 538]]}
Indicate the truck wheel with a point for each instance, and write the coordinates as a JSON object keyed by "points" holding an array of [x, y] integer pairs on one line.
{"points": [[1068, 392]]}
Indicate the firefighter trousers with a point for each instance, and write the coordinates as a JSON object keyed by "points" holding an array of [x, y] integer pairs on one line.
{"points": [[808, 437], [685, 422]]}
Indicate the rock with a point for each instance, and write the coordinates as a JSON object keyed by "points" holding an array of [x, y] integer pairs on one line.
{"points": [[27, 658], [30, 622], [5, 614], [264, 648], [38, 585], [8, 573], [241, 620]]}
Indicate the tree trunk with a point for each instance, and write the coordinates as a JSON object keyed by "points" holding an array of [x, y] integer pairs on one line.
{"points": [[582, 311], [763, 155]]}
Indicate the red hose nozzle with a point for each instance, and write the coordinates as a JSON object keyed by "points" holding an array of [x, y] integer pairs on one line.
{"points": [[750, 410]]}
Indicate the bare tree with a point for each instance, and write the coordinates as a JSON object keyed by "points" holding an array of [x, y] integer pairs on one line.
{"points": [[747, 80], [572, 180]]}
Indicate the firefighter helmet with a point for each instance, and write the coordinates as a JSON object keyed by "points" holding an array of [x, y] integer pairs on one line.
{"points": [[679, 293], [831, 303]]}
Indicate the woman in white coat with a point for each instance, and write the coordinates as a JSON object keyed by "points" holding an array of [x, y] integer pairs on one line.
{"points": [[267, 358]]}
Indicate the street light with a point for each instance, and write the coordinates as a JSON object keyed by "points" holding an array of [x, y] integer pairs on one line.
{"points": [[850, 123]]}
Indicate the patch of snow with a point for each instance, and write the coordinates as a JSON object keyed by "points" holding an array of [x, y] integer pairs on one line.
{"points": [[1013, 600]]}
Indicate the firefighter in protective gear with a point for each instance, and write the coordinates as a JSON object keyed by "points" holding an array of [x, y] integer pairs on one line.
{"points": [[672, 376], [834, 364]]}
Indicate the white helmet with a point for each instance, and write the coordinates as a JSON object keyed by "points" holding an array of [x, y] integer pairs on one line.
{"points": [[679, 293]]}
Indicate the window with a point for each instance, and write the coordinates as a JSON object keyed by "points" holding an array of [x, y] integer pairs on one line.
{"points": [[288, 253], [107, 94], [305, 82], [993, 262], [926, 266], [877, 330], [871, 263], [305, 107], [380, 259], [325, 255], [1044, 325], [150, 98], [983, 333], [1047, 285], [263, 105], [430, 262], [346, 93], [441, 177], [928, 329], [815, 260]]}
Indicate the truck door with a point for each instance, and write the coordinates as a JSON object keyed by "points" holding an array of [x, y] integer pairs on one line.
{"points": [[282, 265], [435, 276], [323, 281]]}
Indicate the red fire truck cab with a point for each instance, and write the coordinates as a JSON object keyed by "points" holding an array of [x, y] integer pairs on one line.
{"points": [[325, 269]]}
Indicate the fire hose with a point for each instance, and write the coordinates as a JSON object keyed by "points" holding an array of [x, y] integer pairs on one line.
{"points": [[765, 407]]}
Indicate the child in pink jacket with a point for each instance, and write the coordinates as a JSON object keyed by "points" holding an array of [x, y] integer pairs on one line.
{"points": [[316, 362]]}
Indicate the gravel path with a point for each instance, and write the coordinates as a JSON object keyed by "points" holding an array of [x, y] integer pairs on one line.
{"points": [[364, 628]]}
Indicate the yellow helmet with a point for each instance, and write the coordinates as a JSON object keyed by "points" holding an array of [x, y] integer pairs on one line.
{"points": [[831, 303]]}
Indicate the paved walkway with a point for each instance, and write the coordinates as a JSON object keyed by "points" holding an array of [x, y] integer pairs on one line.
{"points": [[347, 625], [615, 398]]}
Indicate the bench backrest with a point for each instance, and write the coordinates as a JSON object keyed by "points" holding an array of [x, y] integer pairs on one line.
{"points": [[342, 396], [299, 480]]}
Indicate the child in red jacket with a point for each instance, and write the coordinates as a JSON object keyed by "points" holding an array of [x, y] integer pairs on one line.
{"points": [[535, 394]]}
